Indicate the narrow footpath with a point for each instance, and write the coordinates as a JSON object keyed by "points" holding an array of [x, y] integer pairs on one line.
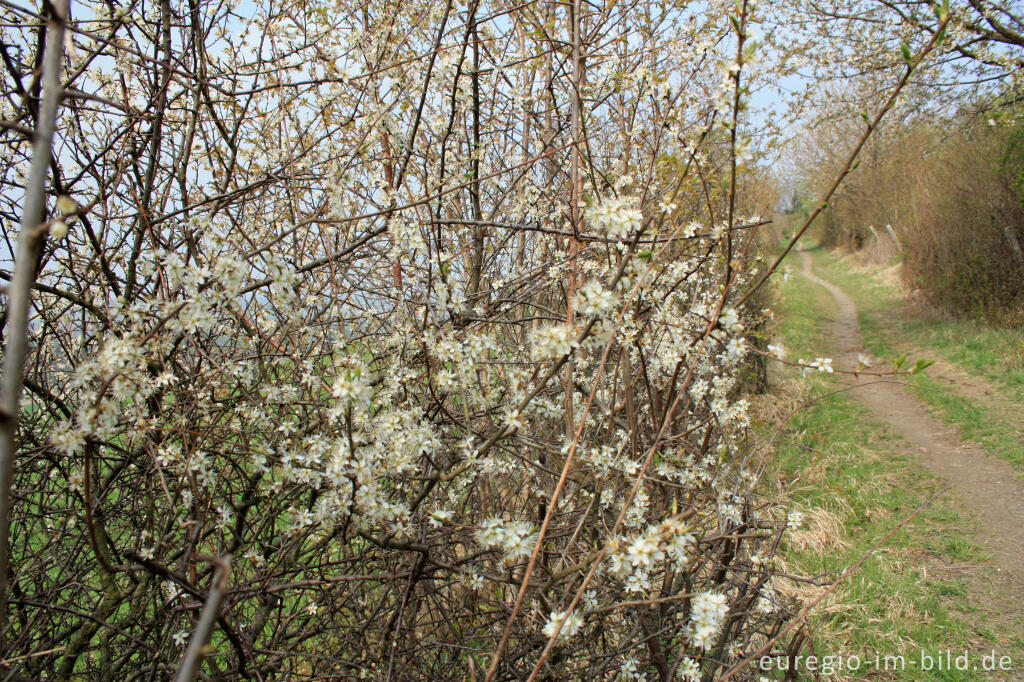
{"points": [[980, 483]]}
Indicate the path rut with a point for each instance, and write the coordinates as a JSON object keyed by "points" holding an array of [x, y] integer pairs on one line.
{"points": [[979, 482]]}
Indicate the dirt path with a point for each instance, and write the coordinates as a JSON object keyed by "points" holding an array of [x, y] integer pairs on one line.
{"points": [[982, 484], [981, 392]]}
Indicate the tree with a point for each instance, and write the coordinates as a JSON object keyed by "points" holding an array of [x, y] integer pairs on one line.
{"points": [[870, 40]]}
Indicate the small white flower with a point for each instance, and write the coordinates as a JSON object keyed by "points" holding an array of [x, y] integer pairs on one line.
{"points": [[615, 217], [225, 514], [515, 538], [645, 551], [514, 420], [822, 365], [594, 300], [689, 669], [679, 548], [552, 342], [66, 205], [730, 320], [569, 628], [66, 438], [76, 481], [766, 602], [638, 582], [58, 229], [349, 386], [628, 669], [707, 611]]}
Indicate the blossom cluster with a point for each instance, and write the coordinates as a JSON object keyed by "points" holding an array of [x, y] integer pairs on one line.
{"points": [[615, 217], [707, 613]]}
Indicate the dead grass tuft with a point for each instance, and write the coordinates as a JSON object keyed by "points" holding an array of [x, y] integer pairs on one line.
{"points": [[821, 532]]}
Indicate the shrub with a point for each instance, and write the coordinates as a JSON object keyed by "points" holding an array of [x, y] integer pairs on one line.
{"points": [[945, 197], [360, 342], [962, 244]]}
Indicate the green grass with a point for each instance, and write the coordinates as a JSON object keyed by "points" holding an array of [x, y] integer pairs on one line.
{"points": [[992, 353], [996, 353], [833, 456]]}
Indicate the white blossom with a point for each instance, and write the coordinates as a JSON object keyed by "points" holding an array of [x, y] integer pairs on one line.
{"points": [[570, 624], [616, 218], [707, 612]]}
